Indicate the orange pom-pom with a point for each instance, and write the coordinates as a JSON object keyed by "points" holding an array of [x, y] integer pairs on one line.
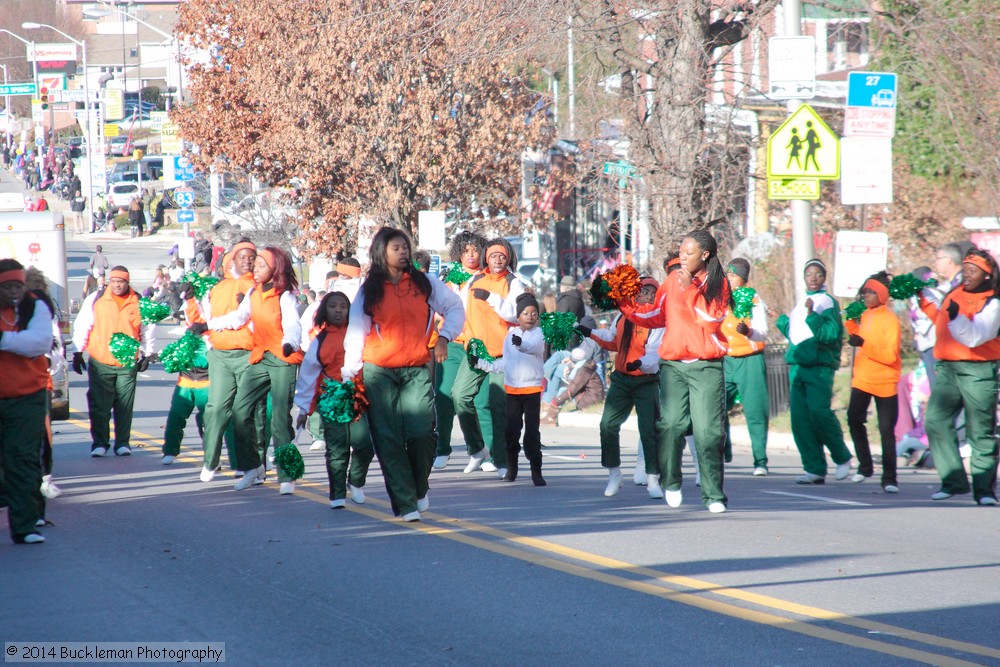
{"points": [[624, 282]]}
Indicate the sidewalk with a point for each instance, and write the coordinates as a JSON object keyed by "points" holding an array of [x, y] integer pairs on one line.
{"points": [[776, 440]]}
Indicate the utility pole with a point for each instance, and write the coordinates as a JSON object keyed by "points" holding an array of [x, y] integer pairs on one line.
{"points": [[571, 84], [802, 228]]}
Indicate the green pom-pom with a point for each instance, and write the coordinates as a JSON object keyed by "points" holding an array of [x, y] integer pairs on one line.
{"points": [[558, 329], [124, 349], [908, 285], [743, 302], [476, 349], [456, 274], [151, 312], [336, 403], [185, 353], [854, 310], [201, 284], [599, 298], [288, 458]]}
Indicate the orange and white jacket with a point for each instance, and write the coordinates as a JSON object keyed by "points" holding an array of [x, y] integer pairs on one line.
{"points": [[744, 346], [324, 359], [273, 320], [693, 325], [23, 364], [877, 363], [101, 318], [220, 300], [644, 346], [972, 336], [489, 320], [395, 335]]}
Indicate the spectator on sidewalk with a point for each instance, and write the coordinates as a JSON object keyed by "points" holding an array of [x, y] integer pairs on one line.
{"points": [[78, 205]]}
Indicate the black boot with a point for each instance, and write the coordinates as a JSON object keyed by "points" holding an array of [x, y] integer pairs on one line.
{"points": [[536, 473], [511, 474]]}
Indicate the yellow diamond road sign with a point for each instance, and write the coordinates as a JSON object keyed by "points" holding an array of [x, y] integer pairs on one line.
{"points": [[803, 147]]}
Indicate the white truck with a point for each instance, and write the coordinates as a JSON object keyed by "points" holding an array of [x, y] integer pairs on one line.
{"points": [[38, 239]]}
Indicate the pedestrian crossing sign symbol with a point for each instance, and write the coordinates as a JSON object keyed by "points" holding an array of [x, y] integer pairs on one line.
{"points": [[803, 147]]}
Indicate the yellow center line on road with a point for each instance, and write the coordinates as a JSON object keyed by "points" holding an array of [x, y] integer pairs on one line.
{"points": [[458, 530]]}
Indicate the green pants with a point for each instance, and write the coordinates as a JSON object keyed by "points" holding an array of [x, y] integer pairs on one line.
{"points": [[402, 427], [747, 376], [316, 428], [226, 375], [22, 427], [111, 391], [695, 396], [269, 377], [444, 404], [468, 383], [971, 385], [813, 423], [341, 441], [182, 404], [628, 391]]}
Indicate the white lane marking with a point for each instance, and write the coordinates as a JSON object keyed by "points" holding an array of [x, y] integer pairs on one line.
{"points": [[826, 500]]}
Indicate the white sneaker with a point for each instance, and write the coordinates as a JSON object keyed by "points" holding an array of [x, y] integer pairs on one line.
{"points": [[208, 475], [614, 482], [357, 495], [488, 466], [941, 495], [810, 478], [33, 538], [843, 470], [338, 504], [40, 523], [501, 472], [411, 516], [654, 487], [317, 445], [423, 504], [124, 450], [890, 488], [673, 498], [475, 461], [98, 451], [716, 508], [168, 459], [287, 488], [640, 477], [49, 489], [248, 478], [858, 478], [760, 471], [441, 461], [987, 500]]}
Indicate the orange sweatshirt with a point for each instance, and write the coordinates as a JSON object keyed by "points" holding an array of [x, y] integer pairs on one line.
{"points": [[113, 314], [693, 325], [643, 346], [877, 363], [219, 301], [744, 346], [23, 364], [489, 320], [972, 336]]}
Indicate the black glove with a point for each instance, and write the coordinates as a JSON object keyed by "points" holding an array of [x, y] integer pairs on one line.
{"points": [[79, 365], [239, 297], [287, 349], [854, 340], [633, 365], [143, 363], [585, 331], [481, 294], [952, 310], [742, 329], [516, 340], [187, 289], [198, 328]]}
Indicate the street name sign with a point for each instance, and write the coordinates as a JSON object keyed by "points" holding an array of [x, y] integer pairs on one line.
{"points": [[18, 89]]}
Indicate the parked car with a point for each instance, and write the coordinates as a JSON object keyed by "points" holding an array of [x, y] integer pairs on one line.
{"points": [[121, 193], [135, 120], [118, 146]]}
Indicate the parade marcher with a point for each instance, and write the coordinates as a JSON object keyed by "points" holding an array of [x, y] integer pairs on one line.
{"points": [[877, 367], [746, 372], [348, 277], [25, 339], [111, 385], [345, 443], [634, 383], [190, 393], [967, 351], [467, 247], [390, 323], [490, 310], [228, 356], [691, 303], [815, 331], [270, 308]]}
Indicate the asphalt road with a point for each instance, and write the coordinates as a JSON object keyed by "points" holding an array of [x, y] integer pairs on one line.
{"points": [[495, 574]]}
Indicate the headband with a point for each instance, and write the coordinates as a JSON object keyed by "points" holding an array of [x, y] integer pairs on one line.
{"points": [[647, 281], [816, 263], [980, 262], [243, 245], [348, 270], [497, 248], [880, 290], [119, 273], [676, 261], [267, 256], [13, 275]]}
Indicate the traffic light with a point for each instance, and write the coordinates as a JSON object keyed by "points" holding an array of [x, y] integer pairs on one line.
{"points": [[43, 97]]}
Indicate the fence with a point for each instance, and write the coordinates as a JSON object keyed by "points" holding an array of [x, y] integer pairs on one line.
{"points": [[777, 377]]}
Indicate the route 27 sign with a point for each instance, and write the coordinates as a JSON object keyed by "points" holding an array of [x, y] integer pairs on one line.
{"points": [[803, 147]]}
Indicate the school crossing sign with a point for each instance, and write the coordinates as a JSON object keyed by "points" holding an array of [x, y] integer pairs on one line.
{"points": [[800, 153]]}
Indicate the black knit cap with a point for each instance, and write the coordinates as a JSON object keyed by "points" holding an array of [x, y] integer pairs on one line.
{"points": [[524, 300]]}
